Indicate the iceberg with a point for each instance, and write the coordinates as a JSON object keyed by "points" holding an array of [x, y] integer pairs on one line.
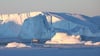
{"points": [[36, 28], [45, 25], [63, 38], [16, 45]]}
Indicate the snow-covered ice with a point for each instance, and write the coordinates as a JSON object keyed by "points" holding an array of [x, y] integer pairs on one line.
{"points": [[63, 38], [16, 45]]}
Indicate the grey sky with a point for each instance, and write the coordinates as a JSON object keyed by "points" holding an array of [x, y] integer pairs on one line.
{"points": [[87, 7]]}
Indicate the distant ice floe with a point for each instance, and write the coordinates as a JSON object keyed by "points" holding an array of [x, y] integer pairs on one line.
{"points": [[16, 45], [91, 43], [63, 38]]}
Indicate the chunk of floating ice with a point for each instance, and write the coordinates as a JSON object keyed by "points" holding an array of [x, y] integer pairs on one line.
{"points": [[88, 43], [63, 38], [91, 43], [35, 40], [17, 45], [97, 43]]}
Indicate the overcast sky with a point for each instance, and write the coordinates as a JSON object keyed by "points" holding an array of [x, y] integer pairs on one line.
{"points": [[87, 7]]}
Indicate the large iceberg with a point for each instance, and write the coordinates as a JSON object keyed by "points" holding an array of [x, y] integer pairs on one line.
{"points": [[46, 24]]}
